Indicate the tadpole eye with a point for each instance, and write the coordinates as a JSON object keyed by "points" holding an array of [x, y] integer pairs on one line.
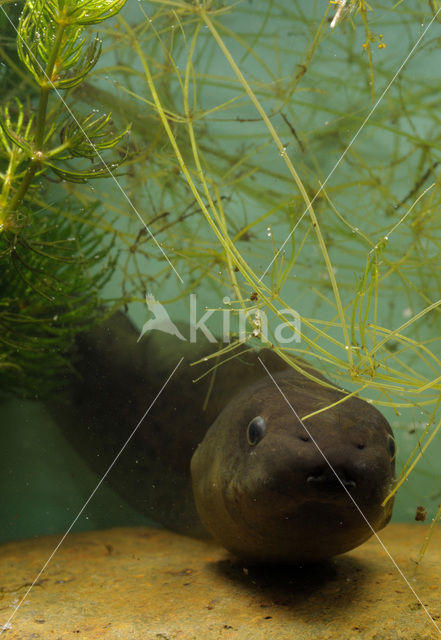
{"points": [[256, 430], [391, 446]]}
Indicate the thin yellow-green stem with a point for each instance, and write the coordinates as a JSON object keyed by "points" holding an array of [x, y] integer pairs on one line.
{"points": [[409, 322], [429, 535], [363, 11], [294, 174], [417, 454], [40, 130], [265, 293]]}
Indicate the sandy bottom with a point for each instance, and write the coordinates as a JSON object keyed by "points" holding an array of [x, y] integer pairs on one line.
{"points": [[147, 584]]}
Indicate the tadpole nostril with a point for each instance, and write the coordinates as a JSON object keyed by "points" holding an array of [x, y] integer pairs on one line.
{"points": [[360, 445]]}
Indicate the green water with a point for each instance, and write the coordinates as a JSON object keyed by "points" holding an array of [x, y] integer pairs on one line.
{"points": [[44, 482]]}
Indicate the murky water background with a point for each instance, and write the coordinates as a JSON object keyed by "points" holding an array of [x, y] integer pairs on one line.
{"points": [[316, 103]]}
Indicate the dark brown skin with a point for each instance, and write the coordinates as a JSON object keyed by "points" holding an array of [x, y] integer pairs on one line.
{"points": [[118, 379], [276, 500]]}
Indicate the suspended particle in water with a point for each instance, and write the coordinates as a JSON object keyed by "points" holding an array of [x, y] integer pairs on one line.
{"points": [[420, 514]]}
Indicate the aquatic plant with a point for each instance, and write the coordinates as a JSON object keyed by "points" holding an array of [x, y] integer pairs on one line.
{"points": [[278, 156], [55, 256], [364, 345], [288, 167]]}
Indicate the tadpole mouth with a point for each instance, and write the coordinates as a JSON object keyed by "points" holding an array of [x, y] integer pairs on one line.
{"points": [[327, 480]]}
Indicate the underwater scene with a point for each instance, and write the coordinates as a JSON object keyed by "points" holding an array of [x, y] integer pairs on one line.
{"points": [[220, 319]]}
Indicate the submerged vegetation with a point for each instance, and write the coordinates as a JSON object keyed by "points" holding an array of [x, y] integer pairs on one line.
{"points": [[54, 260], [282, 154], [288, 162]]}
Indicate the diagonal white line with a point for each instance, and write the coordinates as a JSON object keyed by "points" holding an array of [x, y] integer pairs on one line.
{"points": [[362, 126], [352, 499], [6, 626], [111, 174]]}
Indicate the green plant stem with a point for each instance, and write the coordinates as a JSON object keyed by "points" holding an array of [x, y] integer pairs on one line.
{"points": [[21, 192], [15, 67], [38, 155], [47, 86]]}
